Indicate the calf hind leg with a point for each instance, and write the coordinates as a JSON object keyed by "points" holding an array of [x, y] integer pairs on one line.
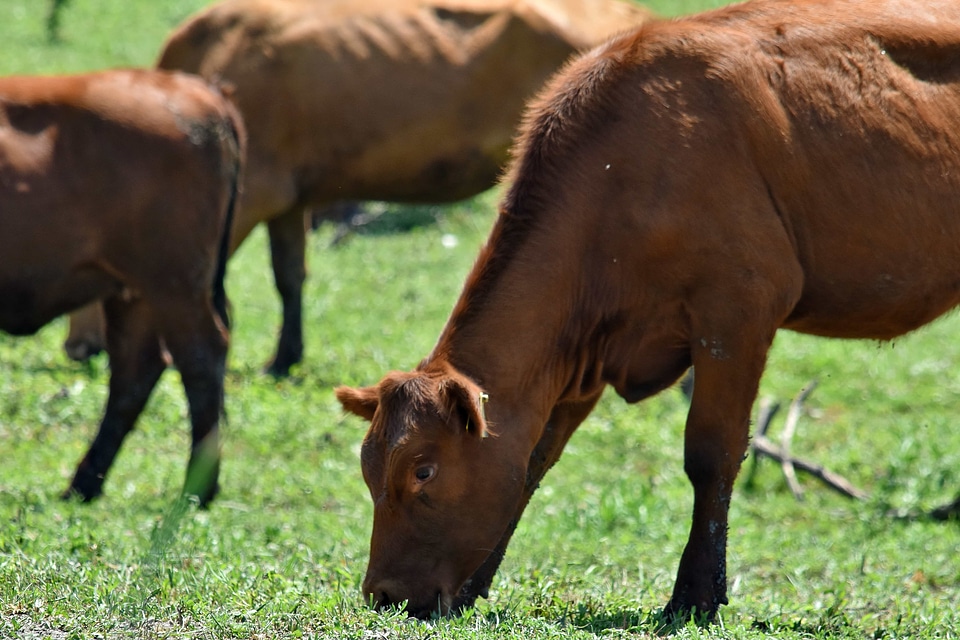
{"points": [[136, 362], [197, 342]]}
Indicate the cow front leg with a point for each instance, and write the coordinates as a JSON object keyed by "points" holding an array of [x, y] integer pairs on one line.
{"points": [[136, 363], [288, 255], [562, 423], [715, 442]]}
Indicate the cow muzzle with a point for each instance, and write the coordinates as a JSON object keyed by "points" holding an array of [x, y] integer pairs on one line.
{"points": [[383, 594]]}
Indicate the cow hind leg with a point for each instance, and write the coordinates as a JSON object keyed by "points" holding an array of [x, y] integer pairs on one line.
{"points": [[197, 343], [288, 254], [136, 363]]}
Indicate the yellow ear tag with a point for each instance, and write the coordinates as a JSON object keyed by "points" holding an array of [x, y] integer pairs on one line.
{"points": [[482, 403]]}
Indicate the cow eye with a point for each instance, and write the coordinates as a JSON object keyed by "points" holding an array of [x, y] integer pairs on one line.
{"points": [[424, 473]]}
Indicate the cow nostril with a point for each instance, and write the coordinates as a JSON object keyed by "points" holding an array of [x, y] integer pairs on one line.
{"points": [[378, 598]]}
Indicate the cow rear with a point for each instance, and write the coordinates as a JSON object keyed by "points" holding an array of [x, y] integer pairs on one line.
{"points": [[120, 187]]}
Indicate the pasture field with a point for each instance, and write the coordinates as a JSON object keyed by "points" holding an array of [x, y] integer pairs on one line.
{"points": [[282, 552]]}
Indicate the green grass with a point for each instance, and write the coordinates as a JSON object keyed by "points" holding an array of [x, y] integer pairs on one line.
{"points": [[281, 554]]}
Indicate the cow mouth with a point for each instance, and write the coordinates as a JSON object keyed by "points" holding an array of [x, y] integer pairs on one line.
{"points": [[438, 607], [442, 604], [446, 599]]}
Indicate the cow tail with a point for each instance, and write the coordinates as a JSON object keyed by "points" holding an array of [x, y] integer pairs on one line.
{"points": [[235, 147]]}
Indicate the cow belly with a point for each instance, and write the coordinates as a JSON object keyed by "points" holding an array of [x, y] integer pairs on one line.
{"points": [[882, 309], [877, 261], [18, 309], [418, 173], [27, 304]]}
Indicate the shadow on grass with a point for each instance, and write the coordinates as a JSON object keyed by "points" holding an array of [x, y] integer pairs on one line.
{"points": [[599, 620], [655, 622], [374, 218], [389, 218], [153, 575], [625, 619], [93, 368], [833, 624]]}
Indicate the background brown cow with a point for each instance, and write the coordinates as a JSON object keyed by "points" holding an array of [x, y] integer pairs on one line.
{"points": [[678, 195], [399, 100], [120, 186]]}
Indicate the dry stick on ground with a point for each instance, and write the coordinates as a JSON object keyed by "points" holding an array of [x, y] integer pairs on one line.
{"points": [[761, 445]]}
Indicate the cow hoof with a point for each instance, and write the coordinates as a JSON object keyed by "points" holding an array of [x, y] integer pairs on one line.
{"points": [[676, 613], [278, 368], [205, 497], [81, 350], [947, 512], [271, 369], [75, 493]]}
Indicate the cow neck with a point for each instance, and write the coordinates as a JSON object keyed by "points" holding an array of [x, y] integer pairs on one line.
{"points": [[506, 330]]}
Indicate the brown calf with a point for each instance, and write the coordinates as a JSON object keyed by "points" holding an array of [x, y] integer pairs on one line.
{"points": [[119, 186], [677, 196], [402, 100]]}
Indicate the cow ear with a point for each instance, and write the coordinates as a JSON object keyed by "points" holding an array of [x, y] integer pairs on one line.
{"points": [[469, 400], [362, 401]]}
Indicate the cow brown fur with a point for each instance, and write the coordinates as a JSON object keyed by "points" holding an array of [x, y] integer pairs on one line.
{"points": [[676, 197], [398, 100], [120, 186]]}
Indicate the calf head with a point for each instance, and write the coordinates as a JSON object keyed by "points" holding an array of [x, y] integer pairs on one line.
{"points": [[443, 488]]}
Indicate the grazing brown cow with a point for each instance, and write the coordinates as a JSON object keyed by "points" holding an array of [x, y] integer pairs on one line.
{"points": [[403, 100], [119, 186], [677, 195]]}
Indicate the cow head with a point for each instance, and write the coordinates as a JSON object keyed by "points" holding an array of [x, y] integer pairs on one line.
{"points": [[444, 488]]}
